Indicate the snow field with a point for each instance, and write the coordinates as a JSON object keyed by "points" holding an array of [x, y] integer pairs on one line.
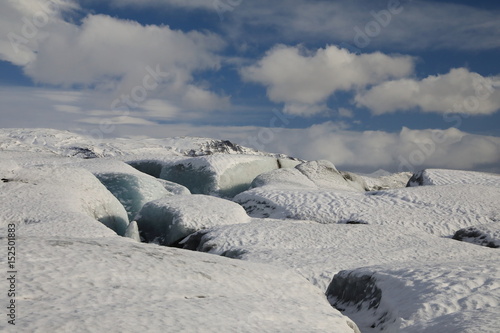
{"points": [[117, 285]]}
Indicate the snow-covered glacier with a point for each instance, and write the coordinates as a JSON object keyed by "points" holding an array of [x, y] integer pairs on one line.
{"points": [[289, 245]]}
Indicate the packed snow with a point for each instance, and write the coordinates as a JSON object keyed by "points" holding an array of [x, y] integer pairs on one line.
{"points": [[299, 245]]}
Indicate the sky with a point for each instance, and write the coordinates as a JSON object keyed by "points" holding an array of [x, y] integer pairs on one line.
{"points": [[398, 85]]}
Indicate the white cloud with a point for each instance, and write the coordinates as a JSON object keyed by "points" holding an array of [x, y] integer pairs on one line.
{"points": [[366, 151], [24, 25], [120, 57], [301, 78], [459, 91]]}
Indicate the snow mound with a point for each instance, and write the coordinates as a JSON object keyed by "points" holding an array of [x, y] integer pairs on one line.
{"points": [[326, 176], [283, 178], [438, 210], [116, 285], [319, 251], [131, 187], [484, 235], [448, 177], [420, 297], [168, 220], [67, 201], [311, 175]]}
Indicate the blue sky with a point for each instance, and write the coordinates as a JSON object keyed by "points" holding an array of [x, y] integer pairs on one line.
{"points": [[365, 84]]}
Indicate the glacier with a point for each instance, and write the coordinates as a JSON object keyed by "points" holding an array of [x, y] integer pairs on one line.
{"points": [[277, 244]]}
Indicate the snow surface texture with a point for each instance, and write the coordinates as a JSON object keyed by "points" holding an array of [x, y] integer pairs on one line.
{"points": [[438, 210], [168, 220], [117, 285], [449, 177], [319, 251]]}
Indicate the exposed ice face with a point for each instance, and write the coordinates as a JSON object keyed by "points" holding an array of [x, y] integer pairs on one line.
{"points": [[131, 187], [220, 175], [169, 220]]}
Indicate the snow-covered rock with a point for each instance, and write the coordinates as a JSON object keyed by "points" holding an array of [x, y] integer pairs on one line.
{"points": [[116, 285], [384, 181], [438, 210], [448, 177], [319, 251], [67, 201], [168, 220], [485, 235], [422, 297]]}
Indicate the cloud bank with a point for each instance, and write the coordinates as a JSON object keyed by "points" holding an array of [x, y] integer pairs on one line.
{"points": [[459, 91]]}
